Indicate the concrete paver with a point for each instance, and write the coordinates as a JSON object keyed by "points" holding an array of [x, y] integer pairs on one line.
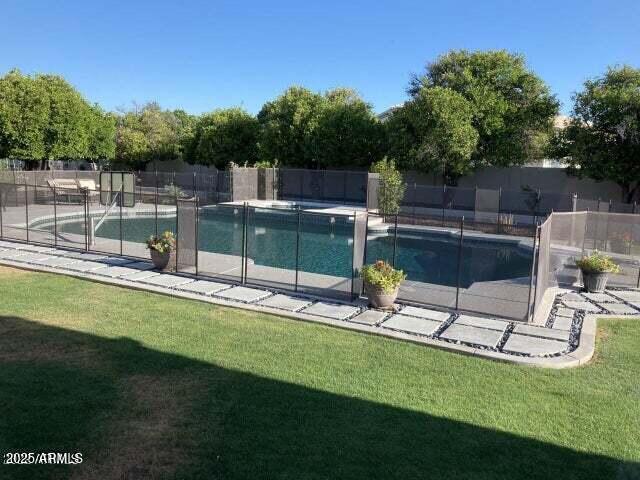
{"points": [[204, 287], [420, 326], [586, 306], [481, 322], [331, 310], [285, 302], [425, 313], [369, 317], [533, 345], [534, 330], [243, 294], [473, 335]]}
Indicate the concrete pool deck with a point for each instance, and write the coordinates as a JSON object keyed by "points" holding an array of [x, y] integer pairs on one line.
{"points": [[566, 339]]}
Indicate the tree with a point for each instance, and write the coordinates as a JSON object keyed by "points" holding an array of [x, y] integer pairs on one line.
{"points": [[149, 134], [512, 109], [434, 132], [225, 136], [602, 140], [347, 133], [44, 118], [391, 188], [287, 124]]}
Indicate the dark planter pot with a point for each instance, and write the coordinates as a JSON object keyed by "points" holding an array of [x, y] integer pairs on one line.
{"points": [[595, 282], [163, 261], [379, 298]]}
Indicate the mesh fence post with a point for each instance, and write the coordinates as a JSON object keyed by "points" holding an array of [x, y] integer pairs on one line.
{"points": [[537, 271], [26, 207], [243, 268], [55, 217], [295, 289], [353, 252], [246, 241], [395, 241], [533, 268], [86, 220], [364, 251], [460, 244], [2, 189], [156, 204], [120, 202], [197, 228]]}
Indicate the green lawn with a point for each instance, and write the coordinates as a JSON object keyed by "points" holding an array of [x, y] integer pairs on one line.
{"points": [[147, 386]]}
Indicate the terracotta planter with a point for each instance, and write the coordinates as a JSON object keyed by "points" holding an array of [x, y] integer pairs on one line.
{"points": [[378, 298], [595, 282], [163, 261]]}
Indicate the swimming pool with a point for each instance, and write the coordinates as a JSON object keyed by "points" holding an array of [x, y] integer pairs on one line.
{"points": [[325, 245]]}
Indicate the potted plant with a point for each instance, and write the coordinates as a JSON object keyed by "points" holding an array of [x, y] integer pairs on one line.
{"points": [[381, 283], [163, 251], [595, 271]]}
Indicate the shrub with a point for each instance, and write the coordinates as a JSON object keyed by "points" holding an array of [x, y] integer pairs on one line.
{"points": [[597, 263], [165, 243], [174, 191], [392, 186], [382, 276]]}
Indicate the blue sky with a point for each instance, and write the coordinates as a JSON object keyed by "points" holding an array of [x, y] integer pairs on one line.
{"points": [[201, 55]]}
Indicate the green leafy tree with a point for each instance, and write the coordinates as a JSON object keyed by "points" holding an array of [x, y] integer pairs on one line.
{"points": [[44, 118], [225, 136], [347, 133], [150, 133], [602, 140], [392, 187], [512, 107], [434, 132], [287, 125]]}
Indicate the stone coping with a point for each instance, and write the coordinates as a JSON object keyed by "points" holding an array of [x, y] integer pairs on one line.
{"points": [[567, 339]]}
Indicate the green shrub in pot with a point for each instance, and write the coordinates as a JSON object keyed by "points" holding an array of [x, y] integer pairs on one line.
{"points": [[162, 249], [596, 269], [381, 283]]}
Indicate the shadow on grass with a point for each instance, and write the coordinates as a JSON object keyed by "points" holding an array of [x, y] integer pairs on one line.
{"points": [[139, 413]]}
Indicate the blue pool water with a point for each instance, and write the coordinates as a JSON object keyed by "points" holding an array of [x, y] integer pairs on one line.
{"points": [[325, 246]]}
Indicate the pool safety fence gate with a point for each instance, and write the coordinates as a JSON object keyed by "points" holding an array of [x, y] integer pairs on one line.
{"points": [[566, 237]]}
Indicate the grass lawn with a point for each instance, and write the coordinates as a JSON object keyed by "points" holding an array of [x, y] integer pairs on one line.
{"points": [[147, 386]]}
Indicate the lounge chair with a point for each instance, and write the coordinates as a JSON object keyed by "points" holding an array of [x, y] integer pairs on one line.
{"points": [[66, 187]]}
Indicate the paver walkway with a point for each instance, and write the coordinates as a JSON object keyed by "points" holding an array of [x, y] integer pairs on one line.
{"points": [[567, 339]]}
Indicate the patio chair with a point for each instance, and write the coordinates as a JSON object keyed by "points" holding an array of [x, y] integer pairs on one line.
{"points": [[66, 187], [92, 189]]}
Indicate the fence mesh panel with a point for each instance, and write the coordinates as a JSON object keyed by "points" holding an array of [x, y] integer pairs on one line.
{"points": [[41, 215], [272, 245], [565, 237], [221, 230], [14, 214], [186, 235], [325, 254]]}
